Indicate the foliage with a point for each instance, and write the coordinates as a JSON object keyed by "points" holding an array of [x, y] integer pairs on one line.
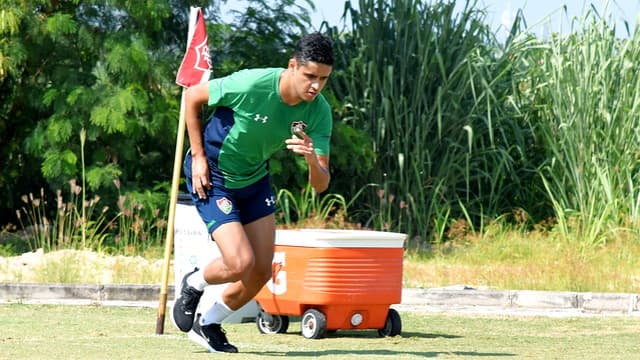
{"points": [[138, 224], [352, 156], [97, 66], [439, 129], [311, 207], [77, 224], [89, 93], [580, 93], [86, 224], [262, 35], [424, 83]]}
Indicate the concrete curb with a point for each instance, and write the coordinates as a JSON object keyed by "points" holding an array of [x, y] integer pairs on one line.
{"points": [[524, 300], [20, 292], [452, 299]]}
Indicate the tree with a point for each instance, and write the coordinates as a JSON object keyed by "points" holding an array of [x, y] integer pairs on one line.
{"points": [[88, 88]]}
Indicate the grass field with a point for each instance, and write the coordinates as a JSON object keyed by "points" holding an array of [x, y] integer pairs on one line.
{"points": [[91, 332]]}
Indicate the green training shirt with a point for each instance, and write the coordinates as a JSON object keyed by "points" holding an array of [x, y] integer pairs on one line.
{"points": [[261, 124]]}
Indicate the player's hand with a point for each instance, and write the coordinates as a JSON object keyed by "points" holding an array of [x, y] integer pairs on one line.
{"points": [[200, 181], [301, 144]]}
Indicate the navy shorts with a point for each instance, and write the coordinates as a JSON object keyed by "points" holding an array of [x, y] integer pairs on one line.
{"points": [[224, 205]]}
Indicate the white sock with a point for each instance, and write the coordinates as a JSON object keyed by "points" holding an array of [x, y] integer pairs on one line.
{"points": [[218, 312], [197, 280]]}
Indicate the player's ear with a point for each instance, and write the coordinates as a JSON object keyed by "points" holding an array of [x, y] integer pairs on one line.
{"points": [[293, 63]]}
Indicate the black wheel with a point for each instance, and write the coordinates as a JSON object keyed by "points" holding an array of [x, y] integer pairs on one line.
{"points": [[272, 324], [393, 326], [314, 324]]}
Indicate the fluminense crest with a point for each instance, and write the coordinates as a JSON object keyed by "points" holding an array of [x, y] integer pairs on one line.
{"points": [[225, 205]]}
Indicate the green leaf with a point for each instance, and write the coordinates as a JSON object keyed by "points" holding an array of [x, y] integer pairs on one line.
{"points": [[74, 95], [59, 130], [10, 21], [49, 96], [59, 163], [102, 176], [34, 144], [115, 112], [130, 59], [61, 25], [12, 55]]}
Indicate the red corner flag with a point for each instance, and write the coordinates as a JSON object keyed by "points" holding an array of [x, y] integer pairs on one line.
{"points": [[196, 62]]}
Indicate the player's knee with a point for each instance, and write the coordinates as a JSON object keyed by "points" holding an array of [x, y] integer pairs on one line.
{"points": [[238, 266]]}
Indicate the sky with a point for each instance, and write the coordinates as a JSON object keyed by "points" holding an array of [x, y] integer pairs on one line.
{"points": [[540, 15]]}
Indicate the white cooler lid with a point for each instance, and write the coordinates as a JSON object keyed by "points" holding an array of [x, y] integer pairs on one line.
{"points": [[324, 238]]}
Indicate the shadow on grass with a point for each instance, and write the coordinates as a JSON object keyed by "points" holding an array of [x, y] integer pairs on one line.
{"points": [[428, 336], [306, 354], [373, 334]]}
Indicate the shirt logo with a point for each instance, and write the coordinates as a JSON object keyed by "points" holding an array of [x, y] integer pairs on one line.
{"points": [[225, 205], [261, 118], [298, 126], [270, 201]]}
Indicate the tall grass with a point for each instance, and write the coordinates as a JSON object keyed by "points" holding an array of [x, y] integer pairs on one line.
{"points": [[135, 227], [582, 97], [310, 209], [467, 128], [138, 224], [75, 223], [424, 80]]}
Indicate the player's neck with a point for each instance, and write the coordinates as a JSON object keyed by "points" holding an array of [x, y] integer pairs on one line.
{"points": [[287, 95]]}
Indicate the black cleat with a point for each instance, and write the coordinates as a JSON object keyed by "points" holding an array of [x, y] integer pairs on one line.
{"points": [[211, 336], [184, 308]]}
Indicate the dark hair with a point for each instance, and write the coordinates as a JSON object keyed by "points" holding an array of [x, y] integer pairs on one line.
{"points": [[314, 47]]}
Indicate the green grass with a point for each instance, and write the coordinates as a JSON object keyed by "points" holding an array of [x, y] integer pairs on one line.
{"points": [[88, 332]]}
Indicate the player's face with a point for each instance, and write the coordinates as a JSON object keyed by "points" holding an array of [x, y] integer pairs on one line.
{"points": [[309, 78]]}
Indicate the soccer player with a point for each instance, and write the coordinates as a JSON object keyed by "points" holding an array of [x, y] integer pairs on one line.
{"points": [[256, 113]]}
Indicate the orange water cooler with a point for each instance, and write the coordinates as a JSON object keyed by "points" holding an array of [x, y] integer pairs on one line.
{"points": [[334, 280]]}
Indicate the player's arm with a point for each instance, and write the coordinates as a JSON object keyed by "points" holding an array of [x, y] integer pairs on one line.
{"points": [[319, 176], [195, 97]]}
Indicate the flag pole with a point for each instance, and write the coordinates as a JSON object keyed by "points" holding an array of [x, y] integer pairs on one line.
{"points": [[175, 183], [177, 163]]}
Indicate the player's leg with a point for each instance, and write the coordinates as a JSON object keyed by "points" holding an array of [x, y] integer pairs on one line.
{"points": [[261, 235], [257, 207], [240, 246], [221, 215], [207, 329], [237, 255], [236, 260]]}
